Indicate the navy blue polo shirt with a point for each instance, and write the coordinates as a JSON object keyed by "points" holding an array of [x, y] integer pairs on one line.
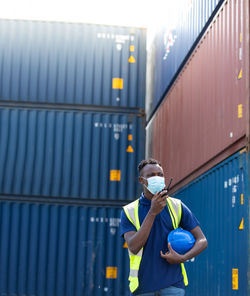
{"points": [[155, 272]]}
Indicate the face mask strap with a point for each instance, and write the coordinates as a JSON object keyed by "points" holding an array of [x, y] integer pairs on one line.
{"points": [[144, 179]]}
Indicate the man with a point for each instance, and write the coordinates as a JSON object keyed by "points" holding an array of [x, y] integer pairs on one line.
{"points": [[155, 268]]}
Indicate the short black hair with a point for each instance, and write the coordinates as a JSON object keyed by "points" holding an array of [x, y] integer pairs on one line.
{"points": [[144, 162]]}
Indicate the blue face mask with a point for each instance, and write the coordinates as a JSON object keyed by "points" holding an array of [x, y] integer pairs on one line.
{"points": [[155, 184]]}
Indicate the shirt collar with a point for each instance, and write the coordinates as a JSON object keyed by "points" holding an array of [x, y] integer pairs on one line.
{"points": [[144, 200]]}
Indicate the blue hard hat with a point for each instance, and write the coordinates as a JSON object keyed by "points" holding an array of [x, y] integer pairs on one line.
{"points": [[181, 240]]}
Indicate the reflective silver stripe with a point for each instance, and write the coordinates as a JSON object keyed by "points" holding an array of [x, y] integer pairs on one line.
{"points": [[131, 210], [133, 272], [139, 254], [175, 204]]}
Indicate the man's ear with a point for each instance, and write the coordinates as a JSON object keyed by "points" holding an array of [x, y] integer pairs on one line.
{"points": [[143, 181]]}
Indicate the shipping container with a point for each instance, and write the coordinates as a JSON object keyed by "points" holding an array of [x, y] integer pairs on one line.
{"points": [[220, 200], [70, 154], [66, 63], [173, 43], [50, 249], [204, 118]]}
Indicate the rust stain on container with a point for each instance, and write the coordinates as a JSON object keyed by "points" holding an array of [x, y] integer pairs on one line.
{"points": [[198, 121]]}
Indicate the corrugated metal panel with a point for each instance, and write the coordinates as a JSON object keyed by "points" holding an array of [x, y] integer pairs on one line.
{"points": [[72, 63], [61, 250], [172, 44], [70, 154], [220, 200], [205, 112]]}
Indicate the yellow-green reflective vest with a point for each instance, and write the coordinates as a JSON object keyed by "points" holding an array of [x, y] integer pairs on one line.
{"points": [[132, 212]]}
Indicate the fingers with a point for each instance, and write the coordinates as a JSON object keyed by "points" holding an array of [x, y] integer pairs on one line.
{"points": [[170, 248], [162, 193], [158, 199], [160, 196], [163, 199], [158, 202], [165, 195], [171, 256], [163, 255], [161, 203]]}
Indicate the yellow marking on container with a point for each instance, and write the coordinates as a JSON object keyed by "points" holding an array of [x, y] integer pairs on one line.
{"points": [[240, 111], [130, 149], [242, 198], [240, 74], [132, 48], [241, 224], [130, 137], [125, 245], [243, 151], [115, 175], [111, 272], [131, 59], [240, 37], [235, 279], [117, 83]]}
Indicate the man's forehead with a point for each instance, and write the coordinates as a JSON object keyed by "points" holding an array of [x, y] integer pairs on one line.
{"points": [[151, 168]]}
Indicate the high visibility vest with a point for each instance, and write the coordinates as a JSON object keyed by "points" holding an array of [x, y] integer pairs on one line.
{"points": [[132, 212]]}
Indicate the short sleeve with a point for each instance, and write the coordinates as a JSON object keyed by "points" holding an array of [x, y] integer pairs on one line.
{"points": [[188, 220], [125, 225]]}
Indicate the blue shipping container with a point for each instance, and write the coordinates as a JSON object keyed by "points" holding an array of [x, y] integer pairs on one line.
{"points": [[61, 250], [72, 63], [220, 200], [172, 44], [71, 154]]}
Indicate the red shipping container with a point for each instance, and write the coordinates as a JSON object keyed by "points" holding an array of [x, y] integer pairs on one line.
{"points": [[204, 117]]}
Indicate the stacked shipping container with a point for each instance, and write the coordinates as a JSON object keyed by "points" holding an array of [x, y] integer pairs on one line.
{"points": [[172, 45], [202, 121], [70, 154], [220, 199], [72, 64], [51, 249], [205, 115], [71, 136]]}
